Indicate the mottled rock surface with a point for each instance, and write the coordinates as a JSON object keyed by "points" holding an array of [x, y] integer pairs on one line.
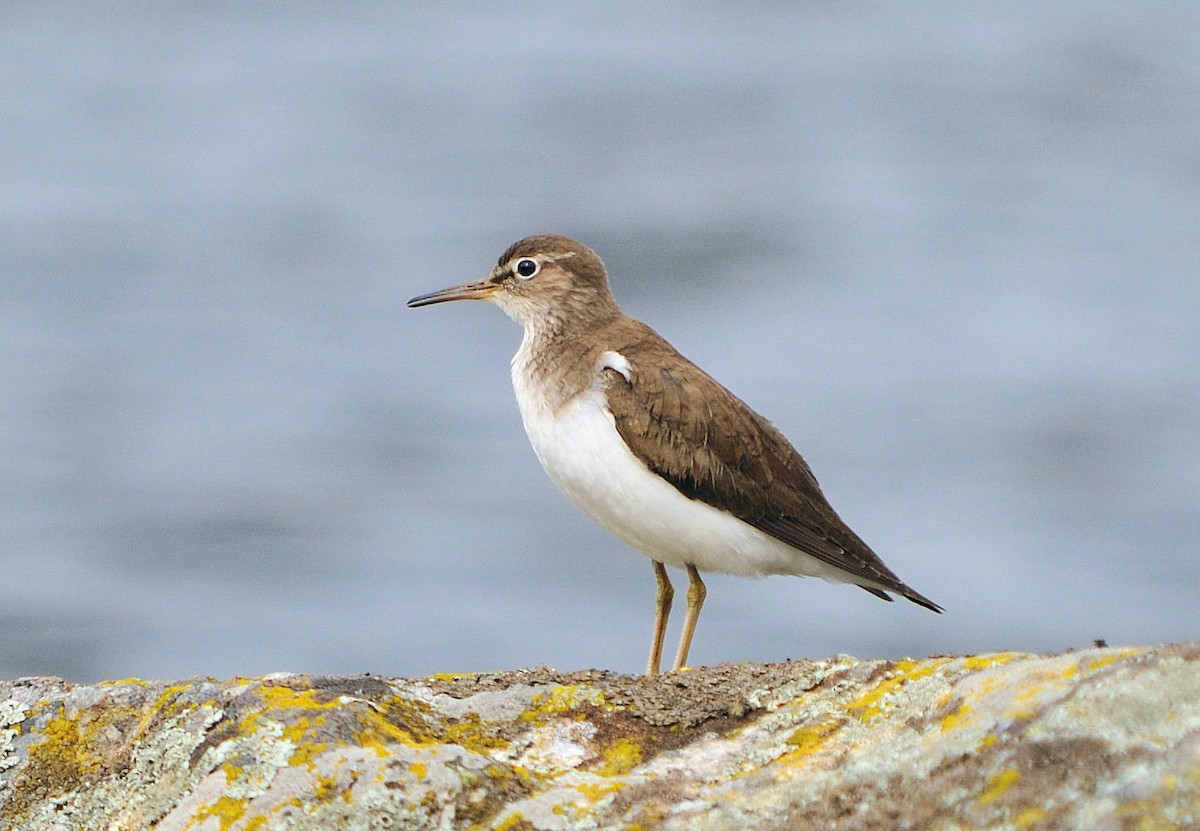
{"points": [[1098, 739]]}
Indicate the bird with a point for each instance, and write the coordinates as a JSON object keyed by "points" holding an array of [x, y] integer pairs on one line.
{"points": [[652, 448]]}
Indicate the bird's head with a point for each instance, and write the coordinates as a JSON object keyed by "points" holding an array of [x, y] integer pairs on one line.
{"points": [[542, 281]]}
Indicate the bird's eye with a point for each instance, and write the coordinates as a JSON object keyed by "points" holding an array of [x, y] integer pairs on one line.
{"points": [[526, 268]]}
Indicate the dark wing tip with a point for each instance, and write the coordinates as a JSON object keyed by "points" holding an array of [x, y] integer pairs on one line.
{"points": [[909, 594], [926, 602]]}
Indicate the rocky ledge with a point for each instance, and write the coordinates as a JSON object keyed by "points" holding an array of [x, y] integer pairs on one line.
{"points": [[1095, 739]]}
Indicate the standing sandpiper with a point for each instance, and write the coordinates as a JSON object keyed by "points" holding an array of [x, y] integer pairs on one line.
{"points": [[652, 448]]}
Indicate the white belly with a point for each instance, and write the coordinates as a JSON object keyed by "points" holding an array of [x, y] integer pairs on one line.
{"points": [[584, 455]]}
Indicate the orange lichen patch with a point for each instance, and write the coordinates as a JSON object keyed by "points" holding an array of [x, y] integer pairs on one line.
{"points": [[999, 784], [872, 704]]}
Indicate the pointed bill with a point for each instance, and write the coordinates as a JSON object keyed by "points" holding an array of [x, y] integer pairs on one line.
{"points": [[477, 290]]}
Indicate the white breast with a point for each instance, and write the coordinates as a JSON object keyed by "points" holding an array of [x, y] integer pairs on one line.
{"points": [[584, 455]]}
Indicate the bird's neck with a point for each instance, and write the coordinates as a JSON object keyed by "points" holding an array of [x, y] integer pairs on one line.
{"points": [[558, 361]]}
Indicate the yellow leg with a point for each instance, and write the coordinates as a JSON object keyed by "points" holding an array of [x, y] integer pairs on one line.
{"points": [[666, 594], [695, 599]]}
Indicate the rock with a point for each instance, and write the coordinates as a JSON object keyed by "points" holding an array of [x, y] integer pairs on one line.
{"points": [[1104, 738]]}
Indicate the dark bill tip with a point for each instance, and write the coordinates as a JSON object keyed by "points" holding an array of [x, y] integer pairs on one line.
{"points": [[467, 291]]}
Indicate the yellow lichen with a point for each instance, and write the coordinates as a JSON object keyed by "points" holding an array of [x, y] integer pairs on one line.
{"points": [[512, 821], [525, 775], [999, 784], [1028, 817], [123, 682], [811, 738], [1023, 710], [995, 659], [452, 676], [326, 787], [620, 757], [278, 700], [1092, 663], [227, 810], [255, 823], [306, 754], [298, 729], [954, 718], [170, 694], [560, 700], [418, 769], [354, 777], [469, 733], [595, 791], [71, 749], [380, 725], [286, 698], [557, 701], [871, 704], [980, 686]]}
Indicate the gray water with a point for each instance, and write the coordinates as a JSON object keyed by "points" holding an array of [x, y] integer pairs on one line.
{"points": [[950, 249]]}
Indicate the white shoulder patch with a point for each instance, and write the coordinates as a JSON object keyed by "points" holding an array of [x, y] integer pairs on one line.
{"points": [[617, 362]]}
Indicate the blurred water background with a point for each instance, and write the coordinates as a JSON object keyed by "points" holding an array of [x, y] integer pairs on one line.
{"points": [[950, 249]]}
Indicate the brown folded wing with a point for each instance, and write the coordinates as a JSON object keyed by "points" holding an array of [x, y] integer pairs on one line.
{"points": [[706, 442]]}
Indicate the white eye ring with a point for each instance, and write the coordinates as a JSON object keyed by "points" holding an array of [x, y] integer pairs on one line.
{"points": [[526, 268]]}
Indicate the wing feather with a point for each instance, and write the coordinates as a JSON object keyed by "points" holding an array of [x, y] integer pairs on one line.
{"points": [[712, 447]]}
